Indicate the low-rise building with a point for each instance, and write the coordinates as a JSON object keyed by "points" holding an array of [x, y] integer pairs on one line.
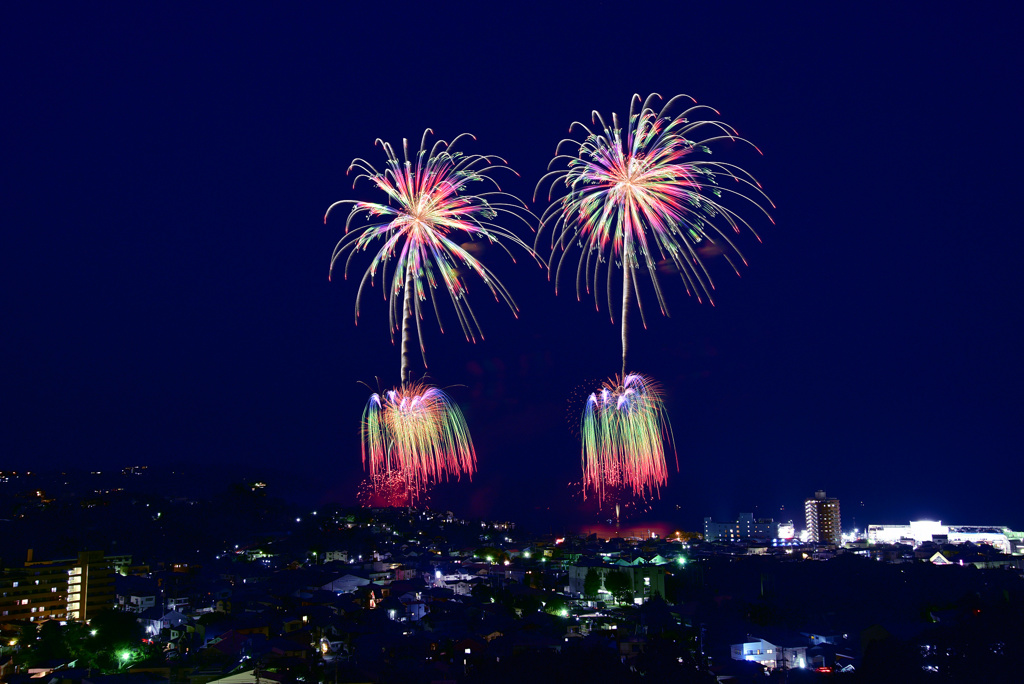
{"points": [[745, 528], [770, 655]]}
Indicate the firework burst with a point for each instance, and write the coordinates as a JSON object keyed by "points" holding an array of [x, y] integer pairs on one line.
{"points": [[637, 196], [625, 429], [418, 435], [430, 202]]}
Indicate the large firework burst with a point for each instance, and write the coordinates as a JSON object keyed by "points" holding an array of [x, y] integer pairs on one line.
{"points": [[430, 202], [638, 196]]}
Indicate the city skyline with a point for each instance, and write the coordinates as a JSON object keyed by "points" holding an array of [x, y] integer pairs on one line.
{"points": [[167, 292]]}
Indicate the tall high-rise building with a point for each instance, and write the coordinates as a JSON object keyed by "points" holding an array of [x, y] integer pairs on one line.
{"points": [[823, 524]]}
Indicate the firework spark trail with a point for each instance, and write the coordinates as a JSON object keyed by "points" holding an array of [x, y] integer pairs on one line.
{"points": [[636, 196], [625, 429], [389, 490], [429, 201], [416, 431]]}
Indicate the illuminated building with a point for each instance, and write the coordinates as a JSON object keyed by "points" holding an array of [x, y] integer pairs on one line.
{"points": [[70, 589], [920, 531], [744, 529], [823, 523], [769, 655]]}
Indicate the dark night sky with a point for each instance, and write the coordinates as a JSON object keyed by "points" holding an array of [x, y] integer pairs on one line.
{"points": [[165, 170]]}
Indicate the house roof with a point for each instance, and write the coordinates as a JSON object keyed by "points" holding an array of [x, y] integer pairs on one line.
{"points": [[244, 678]]}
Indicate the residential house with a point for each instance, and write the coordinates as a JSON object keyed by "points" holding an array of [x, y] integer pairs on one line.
{"points": [[769, 655]]}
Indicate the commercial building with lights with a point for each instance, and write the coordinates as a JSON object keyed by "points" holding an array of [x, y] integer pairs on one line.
{"points": [[920, 531], [823, 522], [69, 589]]}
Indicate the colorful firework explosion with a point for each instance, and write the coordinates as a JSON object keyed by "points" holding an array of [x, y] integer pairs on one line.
{"points": [[430, 200], [625, 430], [418, 434]]}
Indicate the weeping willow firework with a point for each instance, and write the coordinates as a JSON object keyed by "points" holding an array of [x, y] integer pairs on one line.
{"points": [[624, 432], [418, 434], [429, 203], [638, 197]]}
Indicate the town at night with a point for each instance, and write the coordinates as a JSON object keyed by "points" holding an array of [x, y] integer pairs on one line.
{"points": [[138, 581]]}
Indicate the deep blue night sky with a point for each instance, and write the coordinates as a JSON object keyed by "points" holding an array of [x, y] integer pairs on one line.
{"points": [[165, 171]]}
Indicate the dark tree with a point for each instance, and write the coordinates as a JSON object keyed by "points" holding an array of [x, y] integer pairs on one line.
{"points": [[51, 644], [117, 633], [620, 586], [116, 629], [591, 583]]}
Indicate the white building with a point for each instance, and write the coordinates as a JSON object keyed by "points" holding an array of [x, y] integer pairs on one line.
{"points": [[921, 531], [769, 655]]}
